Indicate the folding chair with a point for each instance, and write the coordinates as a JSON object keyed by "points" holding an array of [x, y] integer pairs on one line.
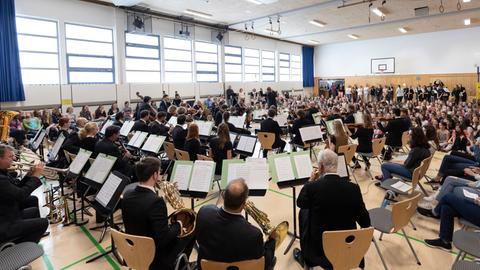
{"points": [[256, 264], [348, 151], [19, 256], [467, 243], [377, 147]]}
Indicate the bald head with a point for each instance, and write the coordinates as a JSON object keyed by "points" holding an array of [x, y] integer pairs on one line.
{"points": [[235, 195], [327, 161]]}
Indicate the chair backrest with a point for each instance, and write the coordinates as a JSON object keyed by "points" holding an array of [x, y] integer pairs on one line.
{"points": [[170, 150], [266, 140], [257, 264], [405, 138], [203, 157], [417, 175], [345, 249], [403, 211], [348, 150], [182, 155], [377, 146], [137, 251], [426, 165]]}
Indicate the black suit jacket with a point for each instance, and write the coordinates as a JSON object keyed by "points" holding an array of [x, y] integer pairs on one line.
{"points": [[11, 198], [179, 135], [107, 147], [158, 128], [297, 124], [145, 213], [394, 130], [225, 237], [140, 125], [163, 106], [332, 204], [270, 125]]}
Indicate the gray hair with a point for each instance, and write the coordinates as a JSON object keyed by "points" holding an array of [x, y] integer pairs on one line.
{"points": [[329, 160], [4, 148]]}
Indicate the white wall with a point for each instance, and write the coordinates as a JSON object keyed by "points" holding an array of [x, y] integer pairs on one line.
{"points": [[454, 51], [96, 15]]}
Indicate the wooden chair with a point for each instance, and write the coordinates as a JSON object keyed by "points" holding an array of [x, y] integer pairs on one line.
{"points": [[377, 147], [348, 151], [257, 264], [170, 152], [345, 249], [416, 176], [137, 251], [423, 168], [391, 221], [182, 155], [266, 140]]}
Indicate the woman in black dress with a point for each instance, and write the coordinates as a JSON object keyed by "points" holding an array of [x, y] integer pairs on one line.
{"points": [[221, 147], [364, 135]]}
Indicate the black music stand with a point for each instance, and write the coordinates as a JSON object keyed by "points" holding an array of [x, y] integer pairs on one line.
{"points": [[243, 151], [313, 138]]}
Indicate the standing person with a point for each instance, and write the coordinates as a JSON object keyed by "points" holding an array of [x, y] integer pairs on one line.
{"points": [[229, 94], [348, 93], [399, 94], [271, 97], [366, 91]]}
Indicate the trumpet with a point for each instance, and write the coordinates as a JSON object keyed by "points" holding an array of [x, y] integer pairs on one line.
{"points": [[279, 232], [48, 172], [172, 195]]}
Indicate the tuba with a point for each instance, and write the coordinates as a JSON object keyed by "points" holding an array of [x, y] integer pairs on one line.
{"points": [[262, 220], [172, 195], [5, 118]]}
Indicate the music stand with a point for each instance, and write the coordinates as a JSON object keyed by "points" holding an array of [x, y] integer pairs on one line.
{"points": [[136, 142], [311, 134], [52, 156], [153, 144], [250, 171], [37, 141], [245, 145], [126, 128], [107, 123], [342, 168]]}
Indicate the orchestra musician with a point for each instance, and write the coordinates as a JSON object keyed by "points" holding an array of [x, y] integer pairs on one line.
{"points": [[88, 137], [221, 147], [119, 119], [394, 131], [72, 142], [179, 134], [364, 134], [271, 126], [192, 142], [158, 126], [231, 127], [142, 123], [219, 114], [144, 213], [19, 214], [164, 103], [298, 123], [224, 235], [110, 146], [321, 209]]}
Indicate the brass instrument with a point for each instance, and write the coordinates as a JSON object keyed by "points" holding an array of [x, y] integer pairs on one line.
{"points": [[280, 231], [55, 215], [5, 118], [172, 195], [48, 172]]}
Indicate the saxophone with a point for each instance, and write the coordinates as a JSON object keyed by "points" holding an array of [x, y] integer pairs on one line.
{"points": [[5, 118]]}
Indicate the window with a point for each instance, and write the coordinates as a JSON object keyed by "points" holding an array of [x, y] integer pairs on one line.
{"points": [[295, 68], [252, 65], [268, 66], [38, 51], [89, 54], [206, 61], [142, 61], [284, 66], [233, 64], [177, 55]]}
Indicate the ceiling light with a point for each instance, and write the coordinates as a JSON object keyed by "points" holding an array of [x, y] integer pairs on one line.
{"points": [[317, 23], [270, 31], [256, 2], [378, 12], [352, 36], [403, 30], [313, 41], [466, 1], [467, 21], [198, 13]]}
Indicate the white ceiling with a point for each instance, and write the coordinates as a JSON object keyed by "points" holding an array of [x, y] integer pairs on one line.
{"points": [[296, 14]]}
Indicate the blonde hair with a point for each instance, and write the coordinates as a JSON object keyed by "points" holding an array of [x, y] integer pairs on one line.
{"points": [[88, 128]]}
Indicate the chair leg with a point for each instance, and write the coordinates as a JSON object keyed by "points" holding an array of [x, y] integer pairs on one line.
{"points": [[380, 253], [423, 189], [381, 235], [458, 256], [464, 255], [413, 225], [411, 247], [353, 174]]}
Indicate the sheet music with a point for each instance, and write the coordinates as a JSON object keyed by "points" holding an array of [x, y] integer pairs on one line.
{"points": [[182, 176], [106, 125], [303, 165], [311, 133], [284, 169], [79, 162], [202, 175], [126, 127], [204, 127], [257, 175], [134, 138], [404, 187], [39, 139], [100, 168], [172, 121], [317, 118], [153, 143], [108, 189], [258, 114], [401, 158], [342, 169], [238, 121], [233, 136], [358, 118], [282, 120], [246, 144], [137, 139], [57, 146], [256, 160], [469, 194], [237, 170]]}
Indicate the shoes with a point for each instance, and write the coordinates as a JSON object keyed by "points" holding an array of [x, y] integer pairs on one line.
{"points": [[425, 205], [438, 243], [378, 184], [45, 234], [367, 167], [427, 213], [357, 166], [379, 177], [297, 255]]}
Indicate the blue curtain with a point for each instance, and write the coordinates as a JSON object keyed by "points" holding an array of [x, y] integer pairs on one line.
{"points": [[11, 86], [307, 56]]}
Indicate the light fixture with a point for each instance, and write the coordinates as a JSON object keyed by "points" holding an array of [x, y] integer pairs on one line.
{"points": [[378, 11], [317, 23], [352, 36], [467, 21], [256, 2], [271, 31], [466, 1], [198, 13], [313, 41], [403, 30]]}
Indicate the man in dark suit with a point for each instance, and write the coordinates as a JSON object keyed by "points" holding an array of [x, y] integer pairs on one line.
{"points": [[219, 115], [142, 123], [145, 213], [164, 103], [158, 126], [327, 203], [394, 131], [119, 119], [271, 126], [298, 123], [179, 134], [19, 214], [271, 97], [223, 234]]}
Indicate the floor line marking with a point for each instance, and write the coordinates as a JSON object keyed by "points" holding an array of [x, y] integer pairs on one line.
{"points": [[100, 248]]}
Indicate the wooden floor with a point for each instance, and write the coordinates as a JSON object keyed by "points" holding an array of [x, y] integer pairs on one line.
{"points": [[69, 247]]}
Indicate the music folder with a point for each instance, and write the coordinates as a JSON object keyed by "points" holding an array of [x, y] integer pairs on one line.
{"points": [[153, 143], [317, 118], [342, 168], [38, 139], [109, 194], [194, 179], [238, 121], [358, 117], [290, 169], [98, 171], [126, 127], [311, 133], [108, 123], [330, 125], [137, 139], [172, 121], [56, 147], [204, 127], [254, 171], [245, 144], [282, 120], [79, 162]]}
